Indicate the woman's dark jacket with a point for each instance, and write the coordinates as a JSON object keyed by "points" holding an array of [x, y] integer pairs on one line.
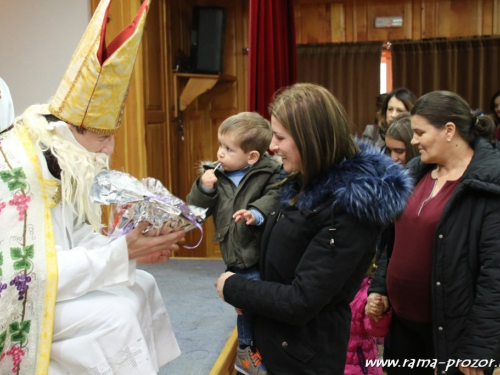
{"points": [[314, 257], [466, 262]]}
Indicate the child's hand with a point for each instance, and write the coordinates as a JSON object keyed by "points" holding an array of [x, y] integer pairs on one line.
{"points": [[244, 215], [208, 179], [376, 305]]}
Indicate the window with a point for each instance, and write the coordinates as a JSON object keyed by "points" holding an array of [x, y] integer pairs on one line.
{"points": [[386, 69]]}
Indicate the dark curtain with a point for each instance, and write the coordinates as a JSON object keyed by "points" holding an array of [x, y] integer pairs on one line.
{"points": [[272, 51], [468, 66], [351, 71]]}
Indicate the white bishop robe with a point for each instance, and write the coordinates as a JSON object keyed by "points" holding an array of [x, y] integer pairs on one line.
{"points": [[109, 317]]}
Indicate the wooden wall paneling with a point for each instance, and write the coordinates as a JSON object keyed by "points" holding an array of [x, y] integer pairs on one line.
{"points": [[155, 151], [480, 17], [178, 31], [298, 23], [195, 148], [491, 17], [487, 16], [464, 18], [361, 20], [443, 20], [315, 23], [349, 23], [496, 17], [157, 144], [321, 21], [428, 19], [416, 19], [241, 49], [337, 22], [408, 19]]}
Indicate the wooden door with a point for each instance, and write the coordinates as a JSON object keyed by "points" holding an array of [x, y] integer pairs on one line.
{"points": [[156, 96]]}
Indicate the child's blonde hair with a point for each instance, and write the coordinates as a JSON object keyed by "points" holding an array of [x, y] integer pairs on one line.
{"points": [[250, 130]]}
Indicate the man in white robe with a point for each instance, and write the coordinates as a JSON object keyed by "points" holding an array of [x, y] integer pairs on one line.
{"points": [[72, 301], [109, 317]]}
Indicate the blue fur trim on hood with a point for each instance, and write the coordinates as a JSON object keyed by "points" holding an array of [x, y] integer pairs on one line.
{"points": [[370, 186]]}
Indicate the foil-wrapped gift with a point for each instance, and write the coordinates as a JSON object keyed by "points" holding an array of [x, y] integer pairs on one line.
{"points": [[145, 200]]}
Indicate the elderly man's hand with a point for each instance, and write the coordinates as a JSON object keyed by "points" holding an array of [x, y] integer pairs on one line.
{"points": [[153, 246], [158, 257]]}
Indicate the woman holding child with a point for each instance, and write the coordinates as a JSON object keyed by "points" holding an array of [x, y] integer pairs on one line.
{"points": [[320, 239]]}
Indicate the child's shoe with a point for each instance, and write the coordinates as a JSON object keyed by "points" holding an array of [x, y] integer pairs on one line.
{"points": [[249, 362]]}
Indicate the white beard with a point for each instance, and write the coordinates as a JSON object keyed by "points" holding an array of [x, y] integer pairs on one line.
{"points": [[78, 166]]}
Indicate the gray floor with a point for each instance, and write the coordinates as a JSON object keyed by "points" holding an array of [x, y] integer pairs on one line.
{"points": [[202, 322]]}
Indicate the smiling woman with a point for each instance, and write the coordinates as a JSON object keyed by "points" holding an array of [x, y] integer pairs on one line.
{"points": [[320, 238], [442, 279]]}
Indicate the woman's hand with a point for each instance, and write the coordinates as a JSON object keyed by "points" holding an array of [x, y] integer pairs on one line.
{"points": [[376, 305], [219, 284]]}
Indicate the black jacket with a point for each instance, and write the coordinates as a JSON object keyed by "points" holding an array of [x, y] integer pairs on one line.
{"points": [[466, 262], [314, 257]]}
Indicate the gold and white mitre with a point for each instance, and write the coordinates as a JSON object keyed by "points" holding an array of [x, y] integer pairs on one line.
{"points": [[94, 88]]}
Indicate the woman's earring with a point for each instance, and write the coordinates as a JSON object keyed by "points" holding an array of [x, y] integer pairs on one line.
{"points": [[449, 140]]}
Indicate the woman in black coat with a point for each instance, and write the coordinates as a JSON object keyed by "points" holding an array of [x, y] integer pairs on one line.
{"points": [[320, 240], [443, 278]]}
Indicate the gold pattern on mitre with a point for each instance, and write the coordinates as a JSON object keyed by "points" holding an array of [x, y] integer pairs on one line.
{"points": [[94, 88]]}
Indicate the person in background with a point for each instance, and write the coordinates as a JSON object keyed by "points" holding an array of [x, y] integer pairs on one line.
{"points": [[396, 102], [441, 276], [72, 300], [495, 115], [239, 191], [320, 238], [371, 133], [398, 139], [6, 106]]}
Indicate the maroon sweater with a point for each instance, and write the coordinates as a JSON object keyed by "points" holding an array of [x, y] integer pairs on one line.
{"points": [[410, 268]]}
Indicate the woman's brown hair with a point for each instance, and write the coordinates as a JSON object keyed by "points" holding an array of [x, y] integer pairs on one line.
{"points": [[318, 125]]}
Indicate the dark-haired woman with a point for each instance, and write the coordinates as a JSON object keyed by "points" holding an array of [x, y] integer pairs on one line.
{"points": [[319, 242], [396, 102], [443, 278]]}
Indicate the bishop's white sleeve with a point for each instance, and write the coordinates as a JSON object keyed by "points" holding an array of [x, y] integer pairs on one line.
{"points": [[92, 261]]}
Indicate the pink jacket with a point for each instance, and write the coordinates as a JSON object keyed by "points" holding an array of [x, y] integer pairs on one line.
{"points": [[362, 345]]}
